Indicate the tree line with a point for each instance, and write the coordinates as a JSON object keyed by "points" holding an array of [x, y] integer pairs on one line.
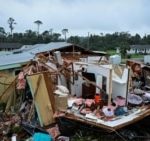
{"points": [[91, 41], [30, 37], [110, 41]]}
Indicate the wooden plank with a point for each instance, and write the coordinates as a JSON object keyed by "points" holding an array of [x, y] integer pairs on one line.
{"points": [[42, 101], [110, 88], [50, 89], [5, 93], [6, 80], [31, 112]]}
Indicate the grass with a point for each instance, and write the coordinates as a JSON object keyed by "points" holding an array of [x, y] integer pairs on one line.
{"points": [[123, 60], [137, 56], [113, 52]]}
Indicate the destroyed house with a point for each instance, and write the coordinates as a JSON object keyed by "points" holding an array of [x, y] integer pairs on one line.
{"points": [[26, 53], [12, 63], [78, 86], [71, 84]]}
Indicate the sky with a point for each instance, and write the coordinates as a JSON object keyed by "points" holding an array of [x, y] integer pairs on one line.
{"points": [[78, 16]]}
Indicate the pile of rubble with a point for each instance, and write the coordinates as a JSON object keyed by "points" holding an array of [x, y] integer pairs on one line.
{"points": [[47, 90]]}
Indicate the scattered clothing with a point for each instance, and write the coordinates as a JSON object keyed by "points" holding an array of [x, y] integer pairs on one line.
{"points": [[108, 112], [120, 101], [121, 111], [134, 99], [138, 91]]}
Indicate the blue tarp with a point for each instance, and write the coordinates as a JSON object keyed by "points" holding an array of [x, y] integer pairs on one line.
{"points": [[41, 137]]}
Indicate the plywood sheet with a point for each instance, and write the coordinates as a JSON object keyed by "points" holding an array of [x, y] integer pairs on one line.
{"points": [[50, 89], [5, 81], [9, 96], [42, 100]]}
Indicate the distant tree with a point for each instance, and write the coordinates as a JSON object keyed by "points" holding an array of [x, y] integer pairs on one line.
{"points": [[135, 39], [30, 33], [46, 37], [11, 23], [2, 34], [64, 32], [56, 37], [102, 42], [74, 39], [101, 34], [148, 39], [2, 31], [30, 37], [38, 23], [124, 46]]}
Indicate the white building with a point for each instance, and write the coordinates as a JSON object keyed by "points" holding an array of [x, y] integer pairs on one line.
{"points": [[139, 49]]}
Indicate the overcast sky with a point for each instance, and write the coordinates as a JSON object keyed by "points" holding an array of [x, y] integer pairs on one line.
{"points": [[79, 16]]}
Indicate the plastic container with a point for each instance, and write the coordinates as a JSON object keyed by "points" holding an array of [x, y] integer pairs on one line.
{"points": [[97, 98]]}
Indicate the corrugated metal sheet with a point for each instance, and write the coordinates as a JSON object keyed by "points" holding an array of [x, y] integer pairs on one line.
{"points": [[37, 48], [23, 48], [14, 60], [5, 53], [48, 47], [27, 53]]}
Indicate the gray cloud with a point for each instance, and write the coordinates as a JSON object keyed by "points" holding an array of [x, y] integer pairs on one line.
{"points": [[79, 16]]}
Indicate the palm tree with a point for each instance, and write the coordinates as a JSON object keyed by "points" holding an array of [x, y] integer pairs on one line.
{"points": [[38, 22], [11, 23], [64, 32]]}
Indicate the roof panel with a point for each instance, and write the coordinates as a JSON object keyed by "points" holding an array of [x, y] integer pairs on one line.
{"points": [[28, 53], [48, 47], [15, 58]]}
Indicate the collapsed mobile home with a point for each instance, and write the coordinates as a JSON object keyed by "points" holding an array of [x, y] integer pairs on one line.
{"points": [[62, 80]]}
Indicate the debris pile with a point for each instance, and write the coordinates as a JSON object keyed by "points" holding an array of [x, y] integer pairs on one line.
{"points": [[52, 88]]}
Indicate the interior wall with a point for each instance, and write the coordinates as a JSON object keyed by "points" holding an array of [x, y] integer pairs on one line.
{"points": [[119, 85], [100, 71]]}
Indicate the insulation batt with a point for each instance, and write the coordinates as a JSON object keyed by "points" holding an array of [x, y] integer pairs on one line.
{"points": [[21, 84], [21, 81], [63, 89]]}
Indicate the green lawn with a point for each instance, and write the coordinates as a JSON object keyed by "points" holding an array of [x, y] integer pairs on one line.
{"points": [[113, 52], [137, 56]]}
